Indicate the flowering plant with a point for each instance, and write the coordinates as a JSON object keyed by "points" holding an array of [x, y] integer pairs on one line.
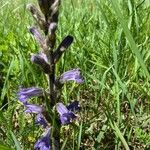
{"points": [[46, 60]]}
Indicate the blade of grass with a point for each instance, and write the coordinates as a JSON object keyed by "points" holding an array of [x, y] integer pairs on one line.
{"points": [[101, 133], [17, 144], [64, 144], [129, 36], [5, 88], [119, 134], [117, 131], [124, 89], [79, 137], [4, 147]]}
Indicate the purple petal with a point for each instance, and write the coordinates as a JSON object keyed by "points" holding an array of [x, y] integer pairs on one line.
{"points": [[74, 106], [66, 116], [71, 75], [31, 108], [25, 93], [44, 142], [41, 120], [61, 108]]}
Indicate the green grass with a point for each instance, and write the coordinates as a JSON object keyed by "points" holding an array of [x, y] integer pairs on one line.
{"points": [[112, 49]]}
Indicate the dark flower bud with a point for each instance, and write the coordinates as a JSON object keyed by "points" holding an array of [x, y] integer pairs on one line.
{"points": [[73, 106], [51, 39], [36, 34], [54, 11], [37, 16], [34, 31], [41, 62], [52, 27], [61, 48], [45, 7]]}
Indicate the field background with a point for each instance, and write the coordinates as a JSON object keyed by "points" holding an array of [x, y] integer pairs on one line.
{"points": [[112, 49]]}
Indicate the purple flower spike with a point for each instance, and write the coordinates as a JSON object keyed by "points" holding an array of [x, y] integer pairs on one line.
{"points": [[31, 108], [66, 116], [44, 142], [71, 75], [25, 93], [74, 106], [41, 120]]}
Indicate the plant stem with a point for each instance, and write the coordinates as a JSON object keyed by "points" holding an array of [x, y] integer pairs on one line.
{"points": [[51, 80], [53, 100]]}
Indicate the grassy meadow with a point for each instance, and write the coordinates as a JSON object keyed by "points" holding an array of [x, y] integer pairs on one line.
{"points": [[111, 47]]}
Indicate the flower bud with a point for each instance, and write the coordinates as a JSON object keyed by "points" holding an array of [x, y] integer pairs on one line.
{"points": [[41, 62], [61, 48]]}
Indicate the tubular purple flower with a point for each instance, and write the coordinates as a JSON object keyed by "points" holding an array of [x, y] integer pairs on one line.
{"points": [[71, 75], [66, 116], [31, 108], [41, 120], [25, 93], [44, 142]]}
